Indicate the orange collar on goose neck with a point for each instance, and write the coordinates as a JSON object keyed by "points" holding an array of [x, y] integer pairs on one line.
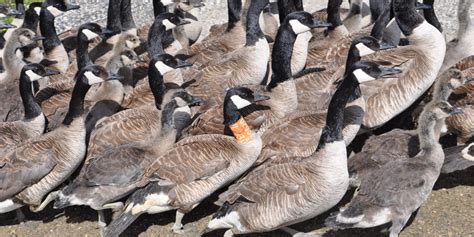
{"points": [[241, 130]]}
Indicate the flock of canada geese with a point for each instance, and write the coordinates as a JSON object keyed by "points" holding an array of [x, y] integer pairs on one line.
{"points": [[271, 111]]}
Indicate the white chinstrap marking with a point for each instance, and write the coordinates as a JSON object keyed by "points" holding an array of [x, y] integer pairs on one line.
{"points": [[298, 27], [364, 50], [92, 79], [89, 34], [33, 76], [56, 12], [163, 68], [362, 76], [168, 25], [240, 102]]}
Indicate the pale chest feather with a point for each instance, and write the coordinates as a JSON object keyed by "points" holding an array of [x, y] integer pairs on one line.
{"points": [[300, 52], [59, 54]]}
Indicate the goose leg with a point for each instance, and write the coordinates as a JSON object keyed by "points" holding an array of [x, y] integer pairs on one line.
{"points": [[51, 197], [296, 233], [101, 219], [397, 225], [20, 216], [178, 226]]}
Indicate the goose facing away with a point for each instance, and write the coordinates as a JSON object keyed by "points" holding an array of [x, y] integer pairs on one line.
{"points": [[36, 167], [398, 188], [283, 194], [34, 122], [174, 181]]}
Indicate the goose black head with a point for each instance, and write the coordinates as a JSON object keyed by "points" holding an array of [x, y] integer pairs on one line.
{"points": [[170, 20], [128, 57], [367, 45], [302, 21], [25, 36], [94, 74], [441, 109], [242, 97], [58, 7], [165, 63], [183, 98], [35, 71], [368, 71], [90, 31]]}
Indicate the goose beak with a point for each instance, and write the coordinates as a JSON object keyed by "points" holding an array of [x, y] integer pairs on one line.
{"points": [[319, 24], [196, 101], [5, 25], [182, 63], [72, 6], [46, 62], [470, 79], [50, 72], [113, 76], [389, 71], [456, 110], [422, 6], [38, 38], [258, 97], [183, 22], [385, 45]]}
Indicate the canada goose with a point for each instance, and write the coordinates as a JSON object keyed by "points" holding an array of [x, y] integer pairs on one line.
{"points": [[11, 109], [6, 11], [18, 16], [281, 87], [297, 134], [175, 181], [3, 25], [458, 158], [126, 40], [34, 122], [189, 11], [359, 16], [430, 14], [120, 129], [232, 38], [462, 46], [106, 179], [426, 50], [271, 20], [36, 167], [283, 194], [246, 65], [54, 50], [394, 191], [381, 149]]}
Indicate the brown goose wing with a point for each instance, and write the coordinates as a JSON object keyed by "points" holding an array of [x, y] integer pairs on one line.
{"points": [[23, 167], [11, 134], [194, 158], [54, 101]]}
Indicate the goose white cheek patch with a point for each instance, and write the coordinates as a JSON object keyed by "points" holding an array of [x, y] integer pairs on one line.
{"points": [[166, 2], [364, 50], [240, 102], [180, 102], [33, 76], [163, 68], [56, 12], [362, 76], [298, 27], [92, 79], [89, 34], [168, 25], [37, 10]]}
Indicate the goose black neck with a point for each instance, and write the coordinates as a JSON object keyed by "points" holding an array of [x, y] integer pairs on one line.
{"points": [[377, 7], [167, 120], [83, 58], [334, 16], [48, 30], [158, 38], [113, 17], [353, 56], [157, 86], [406, 15], [231, 113], [2, 42], [20, 6], [158, 8], [286, 7], [234, 7], [430, 15], [381, 22], [32, 109], [31, 20], [253, 30], [76, 105], [126, 16], [335, 116], [281, 55]]}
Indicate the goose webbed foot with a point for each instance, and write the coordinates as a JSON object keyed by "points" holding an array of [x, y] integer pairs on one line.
{"points": [[51, 197]]}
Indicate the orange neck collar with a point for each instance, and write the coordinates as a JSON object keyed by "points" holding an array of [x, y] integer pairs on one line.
{"points": [[241, 130]]}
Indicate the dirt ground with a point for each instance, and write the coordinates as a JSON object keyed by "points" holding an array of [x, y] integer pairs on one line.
{"points": [[449, 210]]}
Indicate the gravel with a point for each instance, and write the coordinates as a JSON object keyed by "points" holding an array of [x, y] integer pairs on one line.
{"points": [[449, 211]]}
